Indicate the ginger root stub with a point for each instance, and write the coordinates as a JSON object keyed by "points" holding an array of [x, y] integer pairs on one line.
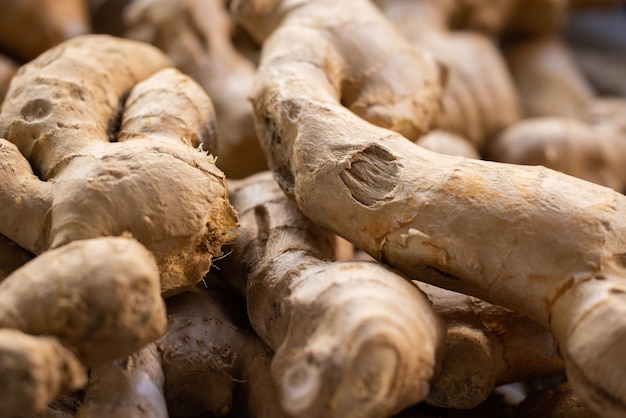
{"points": [[106, 138]]}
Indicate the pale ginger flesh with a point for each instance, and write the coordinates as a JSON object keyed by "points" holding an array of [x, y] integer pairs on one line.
{"points": [[539, 242], [107, 146]]}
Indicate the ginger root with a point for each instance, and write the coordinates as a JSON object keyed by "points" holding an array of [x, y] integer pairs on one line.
{"points": [[33, 370], [486, 346], [351, 339], [544, 244], [197, 36], [105, 144]]}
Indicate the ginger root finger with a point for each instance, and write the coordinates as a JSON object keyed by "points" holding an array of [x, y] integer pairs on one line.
{"points": [[528, 238], [33, 371], [351, 339], [99, 297], [130, 387], [212, 361], [486, 346]]}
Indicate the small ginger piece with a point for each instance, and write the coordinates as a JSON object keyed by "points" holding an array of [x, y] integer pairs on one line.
{"points": [[539, 242], [99, 297], [212, 361], [130, 387], [33, 370], [486, 346], [102, 140], [351, 339], [30, 27]]}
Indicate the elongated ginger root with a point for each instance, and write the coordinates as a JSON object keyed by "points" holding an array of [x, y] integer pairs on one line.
{"points": [[486, 346], [479, 98], [351, 339], [544, 244], [212, 361], [99, 297], [197, 36], [62, 112], [448, 143], [30, 27], [33, 370], [130, 387]]}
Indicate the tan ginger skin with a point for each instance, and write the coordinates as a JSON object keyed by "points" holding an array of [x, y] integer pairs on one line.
{"points": [[65, 180], [30, 27], [130, 387], [559, 401], [486, 346], [351, 339], [97, 308], [197, 36], [544, 244], [212, 361]]}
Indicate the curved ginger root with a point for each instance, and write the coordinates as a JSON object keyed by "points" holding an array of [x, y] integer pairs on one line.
{"points": [[351, 339], [486, 346], [196, 35], [63, 110], [536, 241]]}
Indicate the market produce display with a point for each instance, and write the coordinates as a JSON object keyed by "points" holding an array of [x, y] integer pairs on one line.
{"points": [[312, 208]]}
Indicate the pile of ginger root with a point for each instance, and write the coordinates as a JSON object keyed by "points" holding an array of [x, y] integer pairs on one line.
{"points": [[310, 208]]}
